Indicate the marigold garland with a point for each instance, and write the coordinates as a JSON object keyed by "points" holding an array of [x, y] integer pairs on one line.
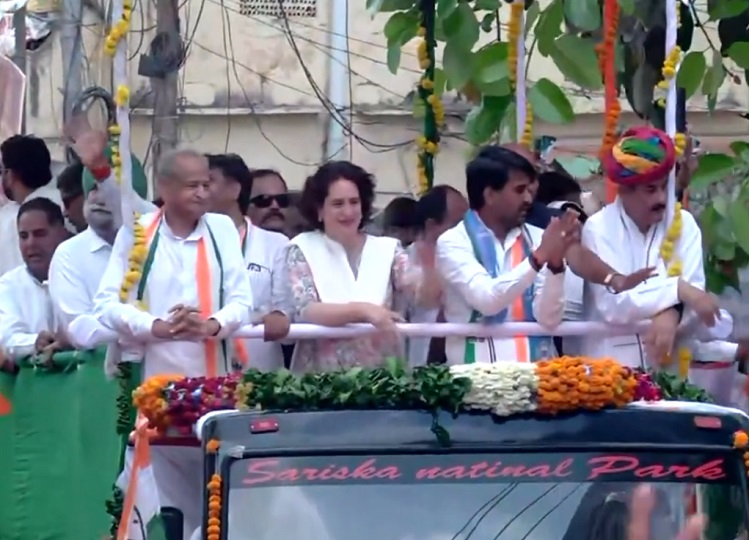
{"points": [[607, 63], [213, 532], [513, 34], [213, 446], [527, 138], [674, 268], [569, 384], [119, 30], [434, 111], [741, 442]]}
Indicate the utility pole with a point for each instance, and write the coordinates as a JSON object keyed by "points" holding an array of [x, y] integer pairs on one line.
{"points": [[71, 43], [19, 54], [165, 132]]}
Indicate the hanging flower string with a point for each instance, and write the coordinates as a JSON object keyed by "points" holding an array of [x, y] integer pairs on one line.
{"points": [[119, 30], [516, 55], [607, 63], [741, 442], [434, 112], [214, 508]]}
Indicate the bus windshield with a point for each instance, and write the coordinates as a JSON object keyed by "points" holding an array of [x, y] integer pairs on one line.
{"points": [[468, 496]]}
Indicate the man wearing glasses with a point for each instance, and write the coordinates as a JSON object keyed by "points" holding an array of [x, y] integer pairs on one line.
{"points": [[269, 201]]}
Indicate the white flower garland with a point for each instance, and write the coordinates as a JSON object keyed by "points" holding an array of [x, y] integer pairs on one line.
{"points": [[504, 389]]}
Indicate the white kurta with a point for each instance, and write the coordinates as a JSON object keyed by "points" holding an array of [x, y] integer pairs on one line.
{"points": [[9, 227], [74, 274], [263, 257], [614, 237], [171, 282], [25, 311], [469, 287]]}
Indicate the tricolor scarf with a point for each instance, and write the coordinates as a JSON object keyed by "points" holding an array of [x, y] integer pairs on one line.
{"points": [[242, 356], [210, 299], [482, 241]]}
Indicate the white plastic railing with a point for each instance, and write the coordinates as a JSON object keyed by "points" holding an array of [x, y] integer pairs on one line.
{"points": [[87, 333]]}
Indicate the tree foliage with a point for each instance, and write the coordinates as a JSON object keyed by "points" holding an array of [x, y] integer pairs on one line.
{"points": [[567, 31]]}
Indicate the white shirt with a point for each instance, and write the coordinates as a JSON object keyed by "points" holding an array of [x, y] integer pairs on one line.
{"points": [[171, 282], [417, 347], [25, 310], [74, 274], [614, 237], [263, 257], [469, 287], [9, 226]]}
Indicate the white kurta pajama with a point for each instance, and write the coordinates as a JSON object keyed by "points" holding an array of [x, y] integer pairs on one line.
{"points": [[469, 287], [25, 311], [171, 281], [614, 237]]}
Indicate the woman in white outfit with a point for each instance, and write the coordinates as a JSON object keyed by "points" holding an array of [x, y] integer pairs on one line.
{"points": [[339, 275]]}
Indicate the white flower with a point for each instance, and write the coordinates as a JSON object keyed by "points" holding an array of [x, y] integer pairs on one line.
{"points": [[504, 389]]}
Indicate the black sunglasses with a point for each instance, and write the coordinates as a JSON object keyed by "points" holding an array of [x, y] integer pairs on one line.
{"points": [[264, 201]]}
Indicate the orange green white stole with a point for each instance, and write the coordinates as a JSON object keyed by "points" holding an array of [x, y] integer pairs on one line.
{"points": [[209, 301]]}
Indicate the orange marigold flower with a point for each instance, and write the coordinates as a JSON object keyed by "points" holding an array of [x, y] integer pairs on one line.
{"points": [[212, 446], [740, 439]]}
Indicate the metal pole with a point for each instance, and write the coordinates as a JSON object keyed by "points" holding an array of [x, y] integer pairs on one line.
{"points": [[19, 54], [165, 90], [72, 54], [338, 80]]}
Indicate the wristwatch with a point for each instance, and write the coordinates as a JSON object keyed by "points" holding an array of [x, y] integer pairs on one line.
{"points": [[556, 270], [608, 283]]}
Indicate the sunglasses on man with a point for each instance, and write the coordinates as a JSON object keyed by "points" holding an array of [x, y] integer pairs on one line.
{"points": [[264, 201]]}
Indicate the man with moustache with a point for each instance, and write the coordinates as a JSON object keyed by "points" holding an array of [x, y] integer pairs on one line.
{"points": [[633, 232], [269, 201], [27, 321], [26, 170]]}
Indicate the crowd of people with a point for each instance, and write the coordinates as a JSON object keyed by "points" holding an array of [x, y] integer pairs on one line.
{"points": [[223, 247]]}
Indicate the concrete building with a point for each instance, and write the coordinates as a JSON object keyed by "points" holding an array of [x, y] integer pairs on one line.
{"points": [[245, 89]]}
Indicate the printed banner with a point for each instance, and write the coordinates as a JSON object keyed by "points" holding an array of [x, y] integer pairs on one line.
{"points": [[59, 450]]}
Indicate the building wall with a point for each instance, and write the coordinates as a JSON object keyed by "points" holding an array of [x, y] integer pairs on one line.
{"points": [[243, 89]]}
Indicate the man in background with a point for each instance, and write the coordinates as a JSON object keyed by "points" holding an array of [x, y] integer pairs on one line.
{"points": [[399, 220], [269, 201], [71, 192], [26, 168], [262, 251], [27, 321]]}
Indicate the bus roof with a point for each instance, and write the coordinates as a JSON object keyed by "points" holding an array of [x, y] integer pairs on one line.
{"points": [[664, 424]]}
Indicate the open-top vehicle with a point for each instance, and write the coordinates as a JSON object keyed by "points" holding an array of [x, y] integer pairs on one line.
{"points": [[332, 475], [545, 451]]}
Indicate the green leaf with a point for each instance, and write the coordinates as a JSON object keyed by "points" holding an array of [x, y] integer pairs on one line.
{"points": [[627, 7], [462, 27], [383, 6], [724, 9], [487, 23], [490, 63], [401, 27], [691, 72], [394, 57], [445, 8], [741, 150], [484, 121], [457, 61], [549, 27], [549, 103], [714, 76], [486, 5], [576, 59], [738, 216], [585, 15], [711, 168], [531, 16], [440, 80], [739, 53]]}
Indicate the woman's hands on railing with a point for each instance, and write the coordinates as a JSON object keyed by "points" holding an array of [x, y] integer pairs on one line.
{"points": [[639, 521]]}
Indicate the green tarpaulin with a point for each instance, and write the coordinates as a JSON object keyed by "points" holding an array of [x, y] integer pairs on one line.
{"points": [[59, 450]]}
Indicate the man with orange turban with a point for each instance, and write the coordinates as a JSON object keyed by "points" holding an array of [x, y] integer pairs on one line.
{"points": [[635, 232]]}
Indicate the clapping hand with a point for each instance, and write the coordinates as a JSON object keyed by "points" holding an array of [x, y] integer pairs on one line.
{"points": [[639, 520], [561, 233]]}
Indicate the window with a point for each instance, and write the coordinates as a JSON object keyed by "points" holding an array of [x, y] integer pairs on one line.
{"points": [[278, 8]]}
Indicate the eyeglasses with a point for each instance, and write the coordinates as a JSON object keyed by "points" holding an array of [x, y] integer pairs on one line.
{"points": [[264, 201]]}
